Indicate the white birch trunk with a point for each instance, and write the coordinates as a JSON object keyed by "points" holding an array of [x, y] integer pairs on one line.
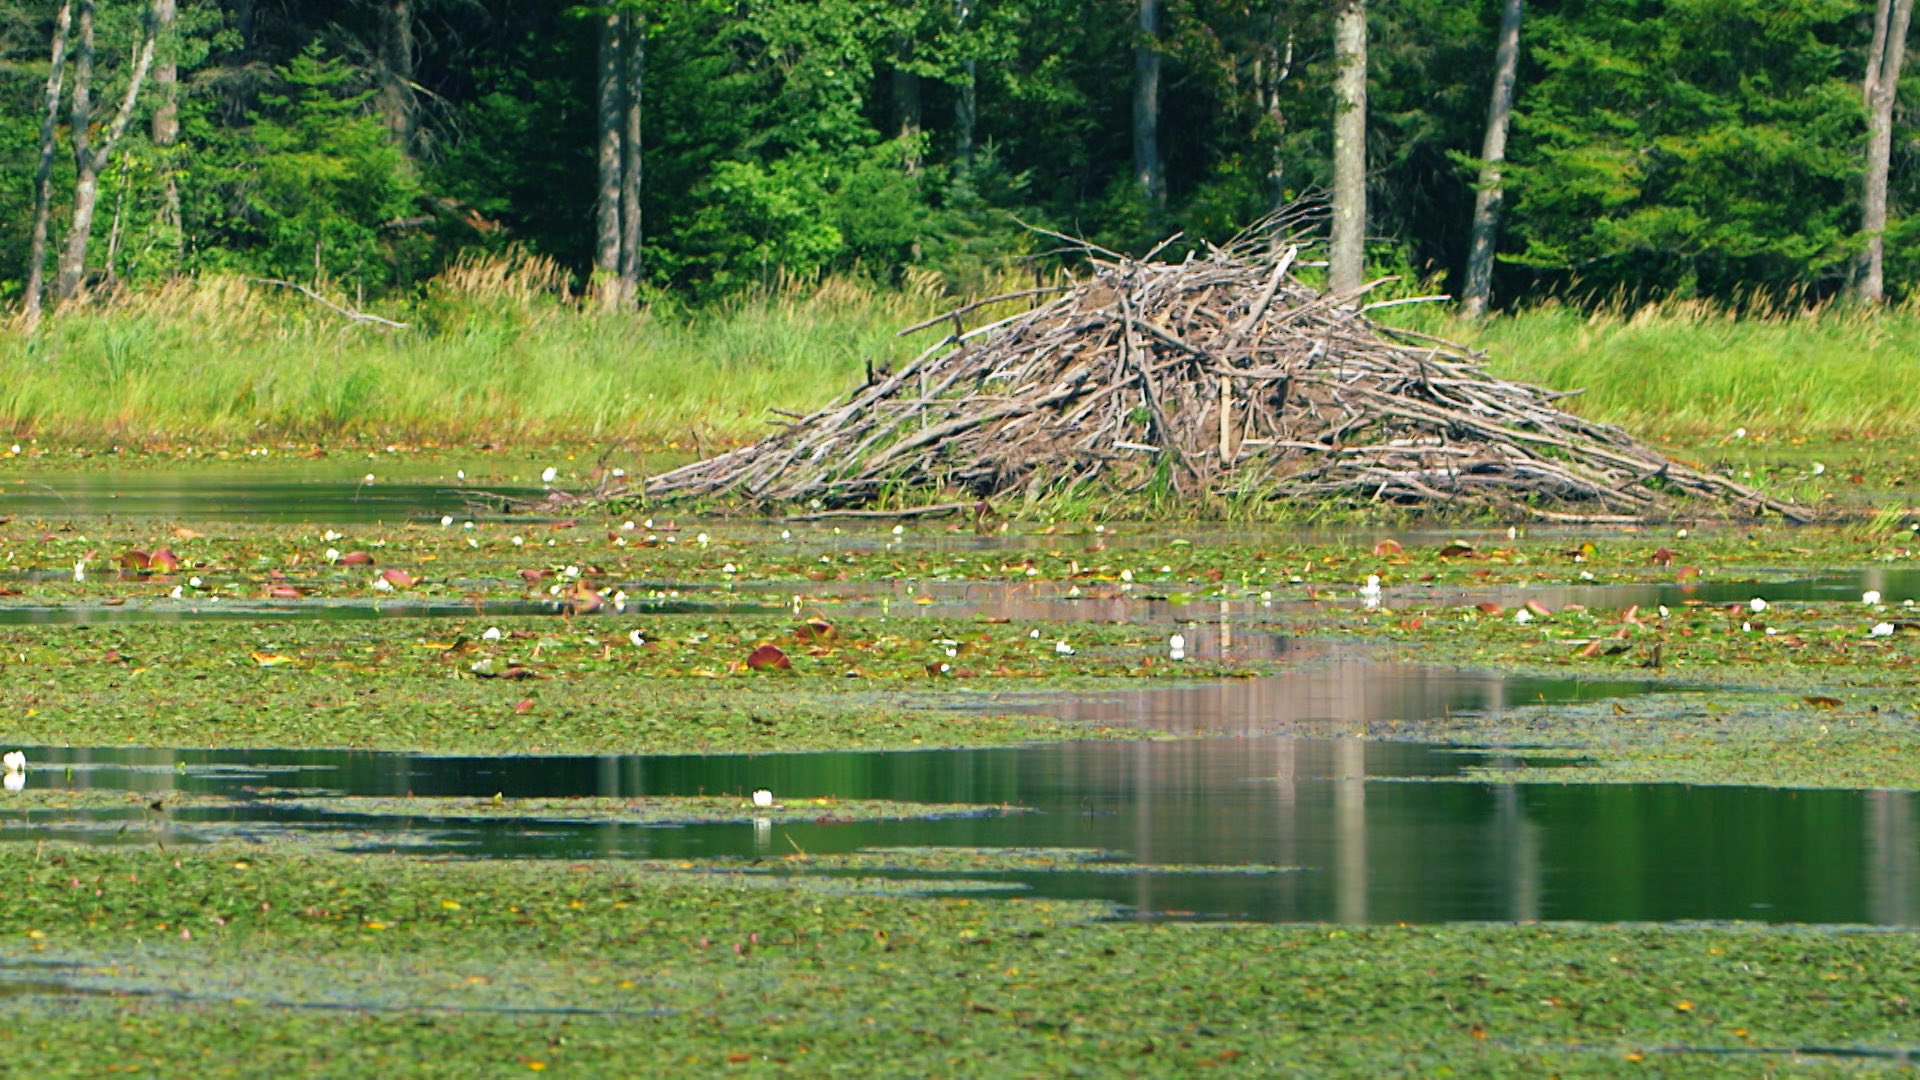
{"points": [[1347, 258], [1488, 196]]}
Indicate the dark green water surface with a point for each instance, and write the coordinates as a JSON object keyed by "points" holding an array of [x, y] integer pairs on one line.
{"points": [[1290, 817]]}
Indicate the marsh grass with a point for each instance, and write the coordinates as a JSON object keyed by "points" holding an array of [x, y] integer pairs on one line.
{"points": [[491, 352], [497, 350], [1687, 370]]}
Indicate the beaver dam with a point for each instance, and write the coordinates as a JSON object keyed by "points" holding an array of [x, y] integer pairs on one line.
{"points": [[1223, 374]]}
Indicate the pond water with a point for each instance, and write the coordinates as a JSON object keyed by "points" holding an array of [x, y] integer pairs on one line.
{"points": [[332, 490], [1293, 816], [1290, 828]]}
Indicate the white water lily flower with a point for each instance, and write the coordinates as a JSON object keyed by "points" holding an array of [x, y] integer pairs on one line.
{"points": [[1870, 597], [14, 761], [367, 479], [1126, 575], [619, 600], [1739, 433], [1177, 644], [786, 534], [548, 474], [446, 521], [472, 543], [459, 474], [763, 798], [466, 524], [1063, 648], [1818, 468], [1663, 611], [1586, 575], [1756, 605], [1523, 616], [703, 539], [1746, 628], [1884, 629], [1034, 634], [1372, 587], [80, 570], [517, 541], [1513, 532], [14, 781], [729, 569], [899, 530], [1682, 534], [176, 593], [381, 584], [194, 582], [492, 634], [333, 555], [619, 474], [638, 639], [330, 536]]}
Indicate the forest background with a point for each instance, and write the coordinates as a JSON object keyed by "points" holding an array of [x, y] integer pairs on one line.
{"points": [[765, 186]]}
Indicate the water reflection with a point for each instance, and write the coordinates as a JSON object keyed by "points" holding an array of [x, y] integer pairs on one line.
{"points": [[1366, 850], [330, 491]]}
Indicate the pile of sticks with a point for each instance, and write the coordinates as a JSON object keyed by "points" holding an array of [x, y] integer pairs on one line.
{"points": [[1223, 374]]}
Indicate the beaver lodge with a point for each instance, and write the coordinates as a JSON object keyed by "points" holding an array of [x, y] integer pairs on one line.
{"points": [[1223, 374]]}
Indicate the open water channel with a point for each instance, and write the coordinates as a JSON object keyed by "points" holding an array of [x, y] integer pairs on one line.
{"points": [[1290, 817]]}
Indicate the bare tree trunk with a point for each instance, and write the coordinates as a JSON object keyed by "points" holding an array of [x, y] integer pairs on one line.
{"points": [[166, 123], [906, 95], [966, 107], [633, 37], [1891, 20], [1488, 197], [1146, 107], [1270, 74], [393, 71], [608, 120], [43, 171], [89, 160], [73, 254], [1347, 259], [906, 110]]}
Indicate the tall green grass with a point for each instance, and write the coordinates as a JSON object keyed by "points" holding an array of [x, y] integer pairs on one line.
{"points": [[491, 352], [1687, 370], [498, 351]]}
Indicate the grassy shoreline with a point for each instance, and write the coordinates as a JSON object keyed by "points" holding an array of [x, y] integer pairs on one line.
{"points": [[494, 357]]}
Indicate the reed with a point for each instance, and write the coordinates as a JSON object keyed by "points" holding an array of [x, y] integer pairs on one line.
{"points": [[1684, 371], [498, 350], [489, 353]]}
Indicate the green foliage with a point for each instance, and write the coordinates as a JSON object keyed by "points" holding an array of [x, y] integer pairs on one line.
{"points": [[1710, 147], [1659, 148], [328, 183]]}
